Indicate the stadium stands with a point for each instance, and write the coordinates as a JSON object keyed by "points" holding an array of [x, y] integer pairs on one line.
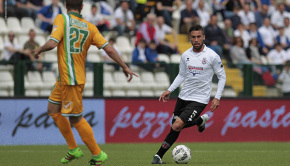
{"points": [[40, 83]]}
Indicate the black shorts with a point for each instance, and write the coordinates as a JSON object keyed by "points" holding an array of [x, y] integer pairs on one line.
{"points": [[187, 111]]}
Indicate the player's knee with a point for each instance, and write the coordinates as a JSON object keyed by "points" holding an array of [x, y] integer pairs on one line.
{"points": [[51, 110], [176, 126]]}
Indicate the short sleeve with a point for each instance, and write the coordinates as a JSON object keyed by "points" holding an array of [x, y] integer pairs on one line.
{"points": [[98, 40], [57, 32]]}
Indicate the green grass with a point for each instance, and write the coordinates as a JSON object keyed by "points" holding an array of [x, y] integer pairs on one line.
{"points": [[203, 154]]}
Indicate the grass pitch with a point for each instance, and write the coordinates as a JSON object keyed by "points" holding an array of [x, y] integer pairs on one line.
{"points": [[203, 154]]}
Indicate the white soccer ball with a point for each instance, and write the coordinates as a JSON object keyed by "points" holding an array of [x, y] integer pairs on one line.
{"points": [[181, 154]]}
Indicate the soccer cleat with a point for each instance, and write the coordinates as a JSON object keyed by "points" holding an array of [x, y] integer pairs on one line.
{"points": [[156, 160], [71, 156], [201, 127], [97, 161]]}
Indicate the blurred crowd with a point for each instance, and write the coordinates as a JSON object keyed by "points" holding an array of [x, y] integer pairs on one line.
{"points": [[240, 31]]}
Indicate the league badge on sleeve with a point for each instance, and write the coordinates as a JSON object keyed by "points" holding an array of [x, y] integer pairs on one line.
{"points": [[220, 63]]}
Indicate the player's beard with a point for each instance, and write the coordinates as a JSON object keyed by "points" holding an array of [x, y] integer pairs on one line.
{"points": [[197, 48]]}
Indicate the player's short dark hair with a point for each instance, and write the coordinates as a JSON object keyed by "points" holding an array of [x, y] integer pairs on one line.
{"points": [[195, 27], [74, 5]]}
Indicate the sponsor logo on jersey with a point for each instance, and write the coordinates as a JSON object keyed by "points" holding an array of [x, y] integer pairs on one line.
{"points": [[195, 70]]}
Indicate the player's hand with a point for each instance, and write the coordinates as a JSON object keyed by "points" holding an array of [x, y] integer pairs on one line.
{"points": [[36, 52], [214, 104], [165, 96], [128, 72]]}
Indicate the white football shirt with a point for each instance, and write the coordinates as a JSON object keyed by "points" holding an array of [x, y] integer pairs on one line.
{"points": [[197, 70]]}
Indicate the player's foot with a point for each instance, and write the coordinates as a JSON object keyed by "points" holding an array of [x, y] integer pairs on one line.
{"points": [[156, 160], [71, 155], [98, 160], [201, 127]]}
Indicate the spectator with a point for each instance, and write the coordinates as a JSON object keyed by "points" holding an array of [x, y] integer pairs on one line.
{"points": [[188, 17], [147, 30], [277, 18], [165, 8], [97, 19], [288, 55], [24, 5], [164, 45], [254, 34], [229, 31], [285, 79], [203, 14], [267, 33], [257, 4], [253, 52], [219, 7], [287, 27], [139, 55], [140, 58], [236, 19], [152, 54], [234, 4], [237, 52], [215, 37], [287, 5], [261, 15], [207, 5], [35, 4], [151, 51], [277, 56], [282, 38], [272, 7], [140, 12], [47, 15], [30, 45], [243, 33], [124, 19], [107, 59], [12, 10], [265, 2], [247, 16], [12, 51]]}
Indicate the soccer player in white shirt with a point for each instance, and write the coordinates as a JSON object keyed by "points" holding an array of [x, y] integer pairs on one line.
{"points": [[197, 67]]}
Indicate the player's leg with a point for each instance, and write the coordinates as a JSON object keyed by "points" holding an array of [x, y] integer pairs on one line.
{"points": [[177, 125], [63, 124], [73, 108], [54, 110]]}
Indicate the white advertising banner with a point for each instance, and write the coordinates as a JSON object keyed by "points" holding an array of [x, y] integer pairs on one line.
{"points": [[26, 122]]}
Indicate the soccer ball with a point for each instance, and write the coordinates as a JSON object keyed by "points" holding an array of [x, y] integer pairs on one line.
{"points": [[181, 154]]}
